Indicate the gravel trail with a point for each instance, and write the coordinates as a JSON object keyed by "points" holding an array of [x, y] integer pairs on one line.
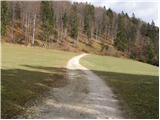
{"points": [[85, 96]]}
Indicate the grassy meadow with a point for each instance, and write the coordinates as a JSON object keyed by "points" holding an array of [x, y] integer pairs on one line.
{"points": [[136, 84], [28, 73]]}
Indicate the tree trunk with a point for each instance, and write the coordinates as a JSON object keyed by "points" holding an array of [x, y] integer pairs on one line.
{"points": [[26, 29], [12, 35], [77, 40], [65, 33], [33, 36], [96, 34]]}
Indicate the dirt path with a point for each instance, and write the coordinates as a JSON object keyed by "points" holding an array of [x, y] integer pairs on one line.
{"points": [[85, 96]]}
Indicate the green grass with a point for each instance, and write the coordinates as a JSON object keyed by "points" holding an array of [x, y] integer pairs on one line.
{"points": [[136, 84], [28, 73]]}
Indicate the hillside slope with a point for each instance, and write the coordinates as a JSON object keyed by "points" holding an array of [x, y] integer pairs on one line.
{"points": [[80, 27], [68, 43]]}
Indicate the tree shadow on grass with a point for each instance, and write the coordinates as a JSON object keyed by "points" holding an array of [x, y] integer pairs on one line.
{"points": [[139, 92], [20, 86]]}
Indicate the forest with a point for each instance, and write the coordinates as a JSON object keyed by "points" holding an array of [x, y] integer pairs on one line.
{"points": [[79, 27]]}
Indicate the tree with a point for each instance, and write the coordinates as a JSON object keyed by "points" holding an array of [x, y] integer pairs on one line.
{"points": [[152, 31], [89, 20], [65, 20], [134, 20], [34, 27], [47, 16], [104, 22], [109, 13], [150, 54], [17, 10], [121, 41], [98, 22], [74, 23], [34, 11], [5, 16]]}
